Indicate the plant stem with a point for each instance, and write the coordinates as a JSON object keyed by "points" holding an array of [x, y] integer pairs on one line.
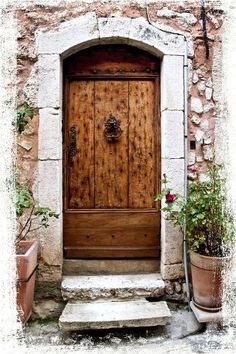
{"points": [[20, 236]]}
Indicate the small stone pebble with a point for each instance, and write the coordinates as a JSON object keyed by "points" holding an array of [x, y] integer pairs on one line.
{"points": [[142, 340], [116, 340]]}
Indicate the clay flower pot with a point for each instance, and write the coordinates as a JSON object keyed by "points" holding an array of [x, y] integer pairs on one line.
{"points": [[207, 281], [26, 264]]}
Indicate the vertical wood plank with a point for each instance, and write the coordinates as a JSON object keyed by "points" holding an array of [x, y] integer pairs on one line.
{"points": [[80, 182], [111, 159], [142, 151]]}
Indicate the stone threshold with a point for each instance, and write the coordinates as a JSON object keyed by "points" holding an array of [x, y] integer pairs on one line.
{"points": [[110, 266]]}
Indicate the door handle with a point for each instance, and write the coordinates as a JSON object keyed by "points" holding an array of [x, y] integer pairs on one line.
{"points": [[72, 144]]}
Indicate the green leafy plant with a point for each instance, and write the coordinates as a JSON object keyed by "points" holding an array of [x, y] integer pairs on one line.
{"points": [[31, 216], [24, 115], [208, 219]]}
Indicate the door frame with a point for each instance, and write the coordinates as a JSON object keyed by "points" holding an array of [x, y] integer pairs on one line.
{"points": [[81, 33]]}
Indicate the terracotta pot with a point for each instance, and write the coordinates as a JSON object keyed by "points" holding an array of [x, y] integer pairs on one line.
{"points": [[207, 280], [26, 264]]}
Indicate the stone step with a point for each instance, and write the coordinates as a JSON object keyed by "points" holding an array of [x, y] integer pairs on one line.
{"points": [[112, 314], [119, 287]]}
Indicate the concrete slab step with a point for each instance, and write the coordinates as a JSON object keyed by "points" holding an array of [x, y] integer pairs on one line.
{"points": [[119, 287], [113, 314]]}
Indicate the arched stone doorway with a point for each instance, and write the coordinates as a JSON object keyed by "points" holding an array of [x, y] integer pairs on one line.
{"points": [[82, 33]]}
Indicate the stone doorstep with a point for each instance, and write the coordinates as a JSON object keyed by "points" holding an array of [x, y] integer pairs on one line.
{"points": [[112, 314], [120, 287], [206, 317]]}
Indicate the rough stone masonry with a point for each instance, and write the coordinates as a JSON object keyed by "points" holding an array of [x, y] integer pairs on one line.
{"points": [[204, 93]]}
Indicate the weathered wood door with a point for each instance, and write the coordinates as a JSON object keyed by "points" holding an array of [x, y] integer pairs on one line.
{"points": [[111, 154]]}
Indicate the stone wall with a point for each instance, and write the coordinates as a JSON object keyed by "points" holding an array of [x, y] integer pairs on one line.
{"points": [[204, 82], [182, 16]]}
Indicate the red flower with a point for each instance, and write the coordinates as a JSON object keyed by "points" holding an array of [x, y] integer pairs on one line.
{"points": [[194, 168], [170, 197]]}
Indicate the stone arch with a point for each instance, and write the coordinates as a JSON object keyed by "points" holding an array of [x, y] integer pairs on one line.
{"points": [[81, 33]]}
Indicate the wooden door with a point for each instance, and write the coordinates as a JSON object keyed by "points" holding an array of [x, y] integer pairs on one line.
{"points": [[111, 165]]}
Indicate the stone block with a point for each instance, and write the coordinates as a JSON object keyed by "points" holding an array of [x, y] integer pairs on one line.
{"points": [[199, 134], [208, 93], [50, 134], [114, 27], [196, 105], [164, 42], [187, 19], [171, 243], [172, 83], [174, 170], [50, 184], [49, 93], [191, 158], [51, 241], [69, 36], [167, 13], [195, 78], [172, 271], [172, 133], [46, 309], [125, 286], [81, 316], [196, 120], [26, 145], [201, 87]]}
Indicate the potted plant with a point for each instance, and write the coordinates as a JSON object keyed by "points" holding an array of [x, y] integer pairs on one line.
{"points": [[30, 217], [209, 231]]}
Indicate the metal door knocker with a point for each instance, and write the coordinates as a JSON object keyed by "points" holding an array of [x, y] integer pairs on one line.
{"points": [[112, 130]]}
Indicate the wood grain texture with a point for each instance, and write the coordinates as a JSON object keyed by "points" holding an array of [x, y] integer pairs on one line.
{"points": [[117, 234], [111, 159], [109, 186], [142, 135], [81, 171], [111, 59]]}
